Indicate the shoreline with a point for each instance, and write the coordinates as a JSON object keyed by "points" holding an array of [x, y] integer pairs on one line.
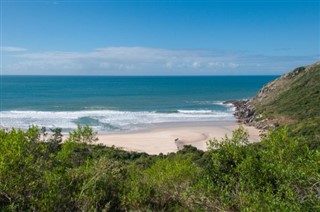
{"points": [[170, 137], [166, 139], [165, 125]]}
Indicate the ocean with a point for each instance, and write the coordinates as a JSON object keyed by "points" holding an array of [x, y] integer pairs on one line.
{"points": [[113, 104]]}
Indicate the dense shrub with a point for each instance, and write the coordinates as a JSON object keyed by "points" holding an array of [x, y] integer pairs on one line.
{"points": [[279, 174], [40, 172], [165, 185]]}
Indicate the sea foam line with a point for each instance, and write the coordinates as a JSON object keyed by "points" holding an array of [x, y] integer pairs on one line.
{"points": [[106, 119]]}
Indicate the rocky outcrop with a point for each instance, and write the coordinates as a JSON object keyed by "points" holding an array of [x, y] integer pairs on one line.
{"points": [[290, 99], [271, 91], [245, 113], [253, 111]]}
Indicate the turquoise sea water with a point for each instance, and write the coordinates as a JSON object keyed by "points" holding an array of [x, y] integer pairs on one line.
{"points": [[120, 103]]}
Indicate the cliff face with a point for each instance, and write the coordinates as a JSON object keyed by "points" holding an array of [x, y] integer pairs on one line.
{"points": [[294, 97]]}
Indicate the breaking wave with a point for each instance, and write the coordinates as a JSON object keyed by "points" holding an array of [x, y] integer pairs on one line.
{"points": [[107, 120]]}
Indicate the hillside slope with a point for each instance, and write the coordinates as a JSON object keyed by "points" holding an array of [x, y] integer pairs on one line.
{"points": [[292, 99]]}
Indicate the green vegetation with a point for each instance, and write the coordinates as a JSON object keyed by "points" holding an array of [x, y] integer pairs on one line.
{"points": [[299, 102], [294, 99], [38, 172]]}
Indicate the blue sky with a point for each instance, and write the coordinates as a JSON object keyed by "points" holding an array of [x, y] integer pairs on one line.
{"points": [[158, 37]]}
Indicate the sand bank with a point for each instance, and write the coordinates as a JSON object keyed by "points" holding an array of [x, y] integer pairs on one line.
{"points": [[165, 139]]}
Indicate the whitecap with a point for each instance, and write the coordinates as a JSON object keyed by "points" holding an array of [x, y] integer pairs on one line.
{"points": [[106, 120]]}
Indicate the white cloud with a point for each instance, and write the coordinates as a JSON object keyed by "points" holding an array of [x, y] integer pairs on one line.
{"points": [[12, 49], [196, 65], [148, 61]]}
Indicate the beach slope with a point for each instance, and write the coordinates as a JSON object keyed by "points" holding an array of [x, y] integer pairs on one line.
{"points": [[173, 138]]}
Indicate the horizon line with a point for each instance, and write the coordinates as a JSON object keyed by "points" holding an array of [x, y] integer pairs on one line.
{"points": [[45, 75]]}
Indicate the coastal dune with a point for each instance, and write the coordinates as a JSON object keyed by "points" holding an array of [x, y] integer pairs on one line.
{"points": [[171, 139]]}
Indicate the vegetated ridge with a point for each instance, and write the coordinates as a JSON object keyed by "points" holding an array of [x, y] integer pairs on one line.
{"points": [[292, 99]]}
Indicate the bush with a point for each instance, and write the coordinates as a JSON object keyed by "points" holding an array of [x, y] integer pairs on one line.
{"points": [[280, 173], [277, 174], [163, 186], [22, 166], [83, 134]]}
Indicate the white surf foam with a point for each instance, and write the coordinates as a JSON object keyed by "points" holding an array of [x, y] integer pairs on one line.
{"points": [[106, 120]]}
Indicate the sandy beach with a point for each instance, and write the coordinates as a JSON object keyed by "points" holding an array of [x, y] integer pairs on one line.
{"points": [[166, 139]]}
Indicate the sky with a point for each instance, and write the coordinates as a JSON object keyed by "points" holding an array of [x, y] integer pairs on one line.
{"points": [[158, 37]]}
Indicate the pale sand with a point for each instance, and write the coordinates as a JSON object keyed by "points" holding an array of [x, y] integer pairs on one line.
{"points": [[171, 139]]}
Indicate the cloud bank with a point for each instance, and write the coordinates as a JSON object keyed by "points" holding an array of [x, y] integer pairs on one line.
{"points": [[146, 61], [12, 49]]}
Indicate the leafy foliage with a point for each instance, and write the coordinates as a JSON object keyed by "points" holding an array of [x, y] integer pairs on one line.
{"points": [[40, 172], [165, 185], [279, 173], [83, 134]]}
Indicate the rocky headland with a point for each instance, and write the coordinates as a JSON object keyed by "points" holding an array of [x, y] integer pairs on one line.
{"points": [[290, 98]]}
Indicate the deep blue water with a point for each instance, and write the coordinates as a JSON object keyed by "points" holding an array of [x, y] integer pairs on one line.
{"points": [[120, 103]]}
